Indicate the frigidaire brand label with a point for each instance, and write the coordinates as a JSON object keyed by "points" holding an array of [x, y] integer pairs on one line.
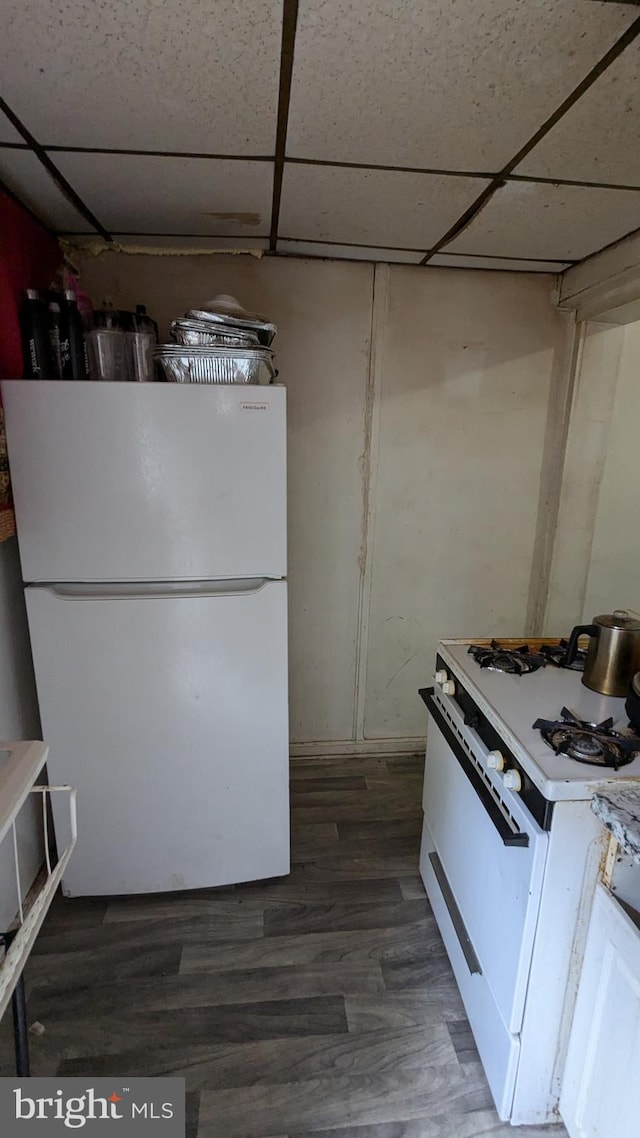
{"points": [[254, 406], [130, 1108]]}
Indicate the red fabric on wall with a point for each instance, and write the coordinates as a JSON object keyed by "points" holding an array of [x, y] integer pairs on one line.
{"points": [[29, 258]]}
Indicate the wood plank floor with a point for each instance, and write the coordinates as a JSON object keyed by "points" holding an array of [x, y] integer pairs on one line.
{"points": [[322, 1003]]}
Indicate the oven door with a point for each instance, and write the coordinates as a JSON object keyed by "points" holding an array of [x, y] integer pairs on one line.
{"points": [[487, 855]]}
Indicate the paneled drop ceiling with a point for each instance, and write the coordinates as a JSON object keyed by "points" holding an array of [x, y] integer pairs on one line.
{"points": [[479, 133]]}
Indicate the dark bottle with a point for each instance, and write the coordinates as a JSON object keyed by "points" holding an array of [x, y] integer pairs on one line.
{"points": [[143, 322], [108, 316], [36, 341], [57, 337], [127, 320], [77, 366]]}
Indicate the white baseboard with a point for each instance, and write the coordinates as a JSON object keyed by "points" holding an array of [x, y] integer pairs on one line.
{"points": [[354, 749]]}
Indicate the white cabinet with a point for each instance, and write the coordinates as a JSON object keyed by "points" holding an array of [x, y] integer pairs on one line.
{"points": [[601, 1087]]}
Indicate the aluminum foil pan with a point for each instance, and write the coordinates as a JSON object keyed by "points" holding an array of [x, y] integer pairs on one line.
{"points": [[206, 332], [264, 330], [185, 364]]}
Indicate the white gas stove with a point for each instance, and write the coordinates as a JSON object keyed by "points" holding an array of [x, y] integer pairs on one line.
{"points": [[511, 851], [513, 703]]}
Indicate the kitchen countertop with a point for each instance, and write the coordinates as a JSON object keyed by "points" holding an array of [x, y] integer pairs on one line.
{"points": [[619, 811]]}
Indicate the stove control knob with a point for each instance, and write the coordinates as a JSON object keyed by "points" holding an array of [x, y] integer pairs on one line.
{"points": [[495, 761], [449, 687], [512, 780], [441, 677]]}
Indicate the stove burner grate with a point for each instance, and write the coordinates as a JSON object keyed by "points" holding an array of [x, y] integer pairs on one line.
{"points": [[594, 743], [514, 661], [557, 654], [522, 660]]}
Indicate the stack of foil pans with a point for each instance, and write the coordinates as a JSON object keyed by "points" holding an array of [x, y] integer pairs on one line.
{"points": [[221, 342], [200, 363], [207, 332], [234, 316]]}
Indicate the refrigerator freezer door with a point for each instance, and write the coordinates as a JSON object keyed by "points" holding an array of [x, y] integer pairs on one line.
{"points": [[169, 715], [139, 481]]}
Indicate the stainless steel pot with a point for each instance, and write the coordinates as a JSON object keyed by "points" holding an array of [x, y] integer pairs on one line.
{"points": [[613, 657]]}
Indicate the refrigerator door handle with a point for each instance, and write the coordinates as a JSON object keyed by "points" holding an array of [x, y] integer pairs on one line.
{"points": [[141, 590]]}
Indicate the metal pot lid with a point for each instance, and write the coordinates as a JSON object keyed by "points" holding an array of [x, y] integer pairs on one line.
{"points": [[620, 618]]}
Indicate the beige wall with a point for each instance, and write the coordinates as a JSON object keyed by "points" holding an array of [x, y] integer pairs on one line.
{"points": [[465, 362], [597, 550], [417, 411]]}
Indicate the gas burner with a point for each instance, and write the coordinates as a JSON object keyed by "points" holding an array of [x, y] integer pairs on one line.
{"points": [[594, 743], [514, 661], [557, 654]]}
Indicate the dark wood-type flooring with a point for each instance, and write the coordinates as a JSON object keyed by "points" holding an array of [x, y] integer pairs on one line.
{"points": [[318, 1003]]}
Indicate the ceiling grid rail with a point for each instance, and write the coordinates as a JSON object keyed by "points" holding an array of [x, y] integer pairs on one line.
{"points": [[289, 23], [414, 249], [455, 173], [292, 161], [476, 207], [53, 172], [289, 11], [157, 153]]}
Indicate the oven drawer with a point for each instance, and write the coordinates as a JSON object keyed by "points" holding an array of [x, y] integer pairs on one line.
{"points": [[496, 885], [499, 1049]]}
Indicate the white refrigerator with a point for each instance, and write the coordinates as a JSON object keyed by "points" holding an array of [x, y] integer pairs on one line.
{"points": [[152, 531]]}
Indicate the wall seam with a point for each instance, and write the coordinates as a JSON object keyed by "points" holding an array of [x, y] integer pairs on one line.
{"points": [[379, 294]]}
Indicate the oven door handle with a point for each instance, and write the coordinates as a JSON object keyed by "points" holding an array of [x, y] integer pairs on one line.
{"points": [[508, 836], [455, 916]]}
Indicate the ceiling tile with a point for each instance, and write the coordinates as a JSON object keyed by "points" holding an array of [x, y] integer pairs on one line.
{"points": [[8, 132], [25, 175], [598, 140], [148, 75], [459, 261], [539, 219], [144, 194], [450, 86], [388, 208], [350, 252]]}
